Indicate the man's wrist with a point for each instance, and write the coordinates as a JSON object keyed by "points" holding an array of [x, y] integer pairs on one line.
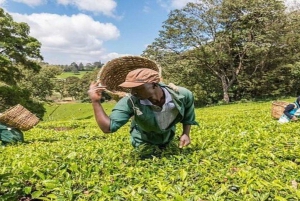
{"points": [[96, 102]]}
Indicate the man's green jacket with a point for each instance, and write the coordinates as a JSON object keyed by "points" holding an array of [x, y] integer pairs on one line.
{"points": [[144, 127]]}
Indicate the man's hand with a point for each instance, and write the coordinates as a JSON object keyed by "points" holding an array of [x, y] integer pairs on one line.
{"points": [[184, 140], [95, 91], [294, 118]]}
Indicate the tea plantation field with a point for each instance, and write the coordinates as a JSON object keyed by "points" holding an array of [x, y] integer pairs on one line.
{"points": [[237, 153]]}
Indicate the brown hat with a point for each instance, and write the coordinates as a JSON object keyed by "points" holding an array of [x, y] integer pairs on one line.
{"points": [[140, 76]]}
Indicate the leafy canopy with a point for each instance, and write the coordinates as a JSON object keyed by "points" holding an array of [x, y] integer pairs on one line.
{"points": [[16, 48]]}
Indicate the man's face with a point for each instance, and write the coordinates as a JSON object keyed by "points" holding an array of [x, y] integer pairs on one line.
{"points": [[144, 91]]}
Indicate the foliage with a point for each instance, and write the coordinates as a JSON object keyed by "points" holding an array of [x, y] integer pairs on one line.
{"points": [[64, 75], [59, 86], [52, 71], [295, 75], [16, 48], [11, 96], [18, 51], [236, 42], [84, 84], [40, 84], [238, 153], [205, 87], [71, 86]]}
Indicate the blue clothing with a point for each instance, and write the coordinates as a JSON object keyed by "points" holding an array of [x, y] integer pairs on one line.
{"points": [[290, 109]]}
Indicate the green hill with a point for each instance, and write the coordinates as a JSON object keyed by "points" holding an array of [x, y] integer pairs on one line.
{"points": [[72, 111]]}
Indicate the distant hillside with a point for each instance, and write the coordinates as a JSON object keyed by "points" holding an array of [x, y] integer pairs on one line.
{"points": [[69, 74]]}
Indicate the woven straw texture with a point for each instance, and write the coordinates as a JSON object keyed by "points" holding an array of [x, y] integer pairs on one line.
{"points": [[278, 108], [19, 117], [114, 72]]}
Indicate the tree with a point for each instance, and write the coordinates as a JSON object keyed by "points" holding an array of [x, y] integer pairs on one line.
{"points": [[275, 74], [74, 67], [98, 64], [72, 86], [80, 67], [59, 86], [17, 50], [178, 69], [40, 84], [226, 37], [12, 95], [89, 67]]}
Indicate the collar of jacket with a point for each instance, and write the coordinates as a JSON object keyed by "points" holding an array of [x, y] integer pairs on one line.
{"points": [[177, 98]]}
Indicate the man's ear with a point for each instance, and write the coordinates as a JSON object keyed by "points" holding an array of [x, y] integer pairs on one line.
{"points": [[154, 85]]}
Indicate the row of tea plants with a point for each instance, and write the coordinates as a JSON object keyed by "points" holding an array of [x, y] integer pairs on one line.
{"points": [[239, 152]]}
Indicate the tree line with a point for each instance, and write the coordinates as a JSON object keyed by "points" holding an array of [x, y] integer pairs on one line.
{"points": [[222, 50], [75, 68]]}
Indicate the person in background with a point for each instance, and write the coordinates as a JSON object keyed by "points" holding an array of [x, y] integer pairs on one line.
{"points": [[10, 135], [291, 112], [156, 109]]}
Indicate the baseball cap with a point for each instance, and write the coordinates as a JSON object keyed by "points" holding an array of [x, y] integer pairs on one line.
{"points": [[139, 77]]}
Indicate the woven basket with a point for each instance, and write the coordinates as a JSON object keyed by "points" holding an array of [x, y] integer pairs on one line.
{"points": [[278, 108], [114, 72], [19, 117]]}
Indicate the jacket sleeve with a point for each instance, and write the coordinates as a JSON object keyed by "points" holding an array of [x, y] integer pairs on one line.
{"points": [[120, 114], [189, 108], [189, 114], [287, 110]]}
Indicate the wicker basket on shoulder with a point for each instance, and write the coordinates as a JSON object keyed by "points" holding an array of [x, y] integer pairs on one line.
{"points": [[114, 72], [278, 108], [19, 117]]}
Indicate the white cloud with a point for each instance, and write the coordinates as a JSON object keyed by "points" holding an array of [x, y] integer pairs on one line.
{"points": [[66, 39], [174, 4], [106, 7], [146, 9], [2, 2], [111, 56], [180, 3], [32, 2]]}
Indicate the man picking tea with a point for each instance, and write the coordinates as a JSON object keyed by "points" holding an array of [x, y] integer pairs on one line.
{"points": [[155, 108]]}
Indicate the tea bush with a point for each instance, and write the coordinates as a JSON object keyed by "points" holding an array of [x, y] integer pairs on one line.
{"points": [[237, 153]]}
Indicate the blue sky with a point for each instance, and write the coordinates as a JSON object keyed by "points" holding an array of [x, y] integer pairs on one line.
{"points": [[93, 30]]}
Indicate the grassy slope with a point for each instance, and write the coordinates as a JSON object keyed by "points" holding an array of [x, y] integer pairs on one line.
{"points": [[238, 153], [72, 111], [64, 75]]}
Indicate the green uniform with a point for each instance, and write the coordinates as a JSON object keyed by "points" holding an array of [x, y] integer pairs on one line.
{"points": [[144, 127]]}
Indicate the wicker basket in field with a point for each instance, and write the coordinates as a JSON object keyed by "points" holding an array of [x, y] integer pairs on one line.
{"points": [[114, 72], [19, 117], [278, 108]]}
